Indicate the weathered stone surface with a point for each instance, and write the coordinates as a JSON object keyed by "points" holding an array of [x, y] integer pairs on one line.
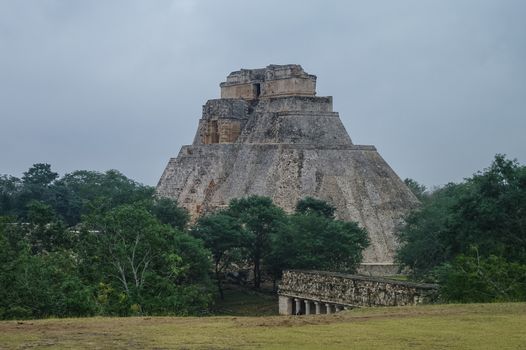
{"points": [[352, 290], [287, 145], [274, 80]]}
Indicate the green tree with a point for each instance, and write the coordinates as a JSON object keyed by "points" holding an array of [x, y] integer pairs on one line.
{"points": [[49, 285], [316, 206], [36, 185], [485, 211], [168, 212], [38, 285], [472, 278], [315, 240], [419, 190], [260, 218], [78, 193], [65, 202], [150, 264], [10, 188], [490, 212], [37, 182], [221, 234], [39, 174], [45, 231], [94, 193], [95, 243], [425, 237], [12, 242]]}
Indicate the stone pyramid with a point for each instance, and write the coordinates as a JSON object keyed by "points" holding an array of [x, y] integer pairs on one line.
{"points": [[269, 134]]}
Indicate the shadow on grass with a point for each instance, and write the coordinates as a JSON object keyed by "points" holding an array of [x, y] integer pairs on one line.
{"points": [[244, 301]]}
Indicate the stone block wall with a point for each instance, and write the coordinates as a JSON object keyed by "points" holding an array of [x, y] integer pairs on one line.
{"points": [[353, 290], [244, 91], [289, 87], [219, 131], [295, 103], [222, 121], [274, 80], [225, 108]]}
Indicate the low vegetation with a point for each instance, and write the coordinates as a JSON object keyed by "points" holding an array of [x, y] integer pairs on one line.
{"points": [[241, 301]]}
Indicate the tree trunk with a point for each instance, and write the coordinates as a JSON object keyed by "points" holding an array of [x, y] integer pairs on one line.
{"points": [[219, 285], [257, 273]]}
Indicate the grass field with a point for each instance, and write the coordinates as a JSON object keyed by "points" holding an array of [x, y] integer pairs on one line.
{"points": [[475, 326]]}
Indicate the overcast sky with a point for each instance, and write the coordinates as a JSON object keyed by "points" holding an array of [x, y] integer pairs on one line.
{"points": [[439, 87]]}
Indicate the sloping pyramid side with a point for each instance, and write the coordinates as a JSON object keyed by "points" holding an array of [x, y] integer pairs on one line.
{"points": [[355, 179]]}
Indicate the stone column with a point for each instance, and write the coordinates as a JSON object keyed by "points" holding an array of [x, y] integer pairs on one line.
{"points": [[285, 305], [328, 308], [317, 305], [298, 306], [307, 307]]}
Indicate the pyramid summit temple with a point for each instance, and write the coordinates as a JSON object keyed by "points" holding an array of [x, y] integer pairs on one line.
{"points": [[270, 135]]}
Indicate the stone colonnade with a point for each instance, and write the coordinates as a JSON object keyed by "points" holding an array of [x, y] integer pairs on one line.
{"points": [[299, 306], [318, 292]]}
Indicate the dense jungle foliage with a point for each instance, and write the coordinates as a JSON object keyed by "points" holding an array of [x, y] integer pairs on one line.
{"points": [[92, 243], [470, 237]]}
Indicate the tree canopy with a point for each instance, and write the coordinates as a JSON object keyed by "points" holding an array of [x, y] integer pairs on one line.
{"points": [[314, 239], [253, 229], [96, 243], [260, 219], [223, 235], [485, 214]]}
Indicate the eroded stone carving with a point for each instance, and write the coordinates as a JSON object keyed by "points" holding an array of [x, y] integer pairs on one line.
{"points": [[332, 290]]}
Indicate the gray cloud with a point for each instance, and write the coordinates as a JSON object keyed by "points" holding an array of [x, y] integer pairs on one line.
{"points": [[438, 86]]}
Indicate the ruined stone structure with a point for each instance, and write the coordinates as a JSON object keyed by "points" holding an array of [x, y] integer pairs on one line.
{"points": [[309, 292], [269, 134]]}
